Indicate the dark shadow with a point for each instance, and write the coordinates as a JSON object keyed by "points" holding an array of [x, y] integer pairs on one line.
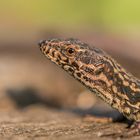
{"points": [[25, 97], [114, 114]]}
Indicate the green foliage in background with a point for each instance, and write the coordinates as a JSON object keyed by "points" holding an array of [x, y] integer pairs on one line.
{"points": [[74, 12]]}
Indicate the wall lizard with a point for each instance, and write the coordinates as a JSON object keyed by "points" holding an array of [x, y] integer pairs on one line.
{"points": [[99, 72]]}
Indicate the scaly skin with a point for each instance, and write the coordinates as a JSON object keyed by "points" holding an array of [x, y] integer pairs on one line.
{"points": [[99, 72]]}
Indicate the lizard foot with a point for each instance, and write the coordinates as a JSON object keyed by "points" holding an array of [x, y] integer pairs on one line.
{"points": [[134, 129]]}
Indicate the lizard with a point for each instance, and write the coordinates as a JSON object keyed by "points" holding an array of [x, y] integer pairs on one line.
{"points": [[97, 71]]}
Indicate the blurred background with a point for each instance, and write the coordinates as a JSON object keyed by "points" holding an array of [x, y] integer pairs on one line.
{"points": [[27, 78]]}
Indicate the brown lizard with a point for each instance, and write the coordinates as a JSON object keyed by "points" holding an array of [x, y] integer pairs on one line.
{"points": [[99, 72]]}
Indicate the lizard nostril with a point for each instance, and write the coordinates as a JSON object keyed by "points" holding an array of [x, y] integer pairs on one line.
{"points": [[41, 42]]}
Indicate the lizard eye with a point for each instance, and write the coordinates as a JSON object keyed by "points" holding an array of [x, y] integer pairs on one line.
{"points": [[70, 51]]}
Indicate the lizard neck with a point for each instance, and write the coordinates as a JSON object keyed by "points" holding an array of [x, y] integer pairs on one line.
{"points": [[114, 85]]}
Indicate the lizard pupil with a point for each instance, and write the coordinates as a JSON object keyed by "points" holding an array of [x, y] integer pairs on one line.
{"points": [[70, 50]]}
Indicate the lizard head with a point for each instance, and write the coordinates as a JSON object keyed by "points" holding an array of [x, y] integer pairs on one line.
{"points": [[72, 55]]}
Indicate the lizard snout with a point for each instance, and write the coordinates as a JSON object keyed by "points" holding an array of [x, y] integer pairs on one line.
{"points": [[41, 42]]}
